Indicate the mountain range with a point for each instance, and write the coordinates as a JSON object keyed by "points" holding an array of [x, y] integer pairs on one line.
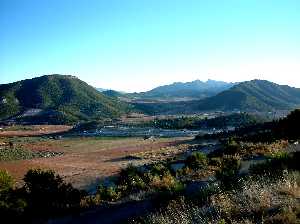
{"points": [[66, 99], [255, 95], [183, 91]]}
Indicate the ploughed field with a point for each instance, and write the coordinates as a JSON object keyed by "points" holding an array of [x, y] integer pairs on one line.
{"points": [[81, 160]]}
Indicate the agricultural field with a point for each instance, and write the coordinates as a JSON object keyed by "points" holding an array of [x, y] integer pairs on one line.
{"points": [[81, 161]]}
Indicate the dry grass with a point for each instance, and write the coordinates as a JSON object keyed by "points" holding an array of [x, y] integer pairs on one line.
{"points": [[180, 212], [262, 200], [250, 149], [259, 196], [163, 153]]}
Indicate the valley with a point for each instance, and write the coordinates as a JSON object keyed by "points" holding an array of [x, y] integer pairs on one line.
{"points": [[132, 155], [149, 112], [86, 156]]}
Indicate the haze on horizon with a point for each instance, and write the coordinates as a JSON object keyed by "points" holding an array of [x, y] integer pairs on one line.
{"points": [[136, 45]]}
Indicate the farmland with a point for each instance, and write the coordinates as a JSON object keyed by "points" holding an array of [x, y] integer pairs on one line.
{"points": [[80, 160]]}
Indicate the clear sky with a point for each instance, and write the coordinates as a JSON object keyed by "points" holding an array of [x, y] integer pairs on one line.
{"points": [[134, 45]]}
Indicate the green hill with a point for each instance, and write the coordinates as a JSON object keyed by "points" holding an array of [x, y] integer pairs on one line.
{"points": [[255, 95], [112, 93], [250, 96], [56, 99]]}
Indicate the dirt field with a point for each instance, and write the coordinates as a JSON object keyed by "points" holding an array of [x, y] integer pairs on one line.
{"points": [[32, 130], [86, 159]]}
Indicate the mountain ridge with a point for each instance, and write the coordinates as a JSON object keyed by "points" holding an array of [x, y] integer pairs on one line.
{"points": [[59, 97], [249, 96], [254, 95], [196, 89]]}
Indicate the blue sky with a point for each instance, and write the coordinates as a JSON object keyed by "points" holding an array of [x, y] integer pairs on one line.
{"points": [[135, 45]]}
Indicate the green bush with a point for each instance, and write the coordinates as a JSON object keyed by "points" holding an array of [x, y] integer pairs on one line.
{"points": [[280, 155], [229, 170], [166, 183], [12, 202], [277, 163], [131, 180], [6, 181], [196, 160], [231, 147], [156, 177], [159, 169], [108, 193]]}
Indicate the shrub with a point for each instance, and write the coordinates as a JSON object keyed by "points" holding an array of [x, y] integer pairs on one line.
{"points": [[131, 180], [159, 169], [166, 182], [281, 155], [277, 163], [229, 170], [12, 206], [286, 216], [48, 195], [127, 172], [12, 202], [108, 193], [196, 160], [231, 147], [90, 201], [202, 195], [6, 181], [215, 161]]}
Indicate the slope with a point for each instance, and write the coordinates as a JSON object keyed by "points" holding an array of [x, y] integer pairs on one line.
{"points": [[56, 98], [260, 95]]}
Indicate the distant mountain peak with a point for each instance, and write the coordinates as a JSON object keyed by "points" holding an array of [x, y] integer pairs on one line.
{"points": [[195, 89]]}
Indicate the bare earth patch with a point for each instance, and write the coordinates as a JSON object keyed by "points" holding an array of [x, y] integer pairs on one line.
{"points": [[33, 130], [87, 159]]}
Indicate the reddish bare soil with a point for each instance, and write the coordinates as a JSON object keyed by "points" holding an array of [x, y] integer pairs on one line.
{"points": [[86, 160], [35, 130]]}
